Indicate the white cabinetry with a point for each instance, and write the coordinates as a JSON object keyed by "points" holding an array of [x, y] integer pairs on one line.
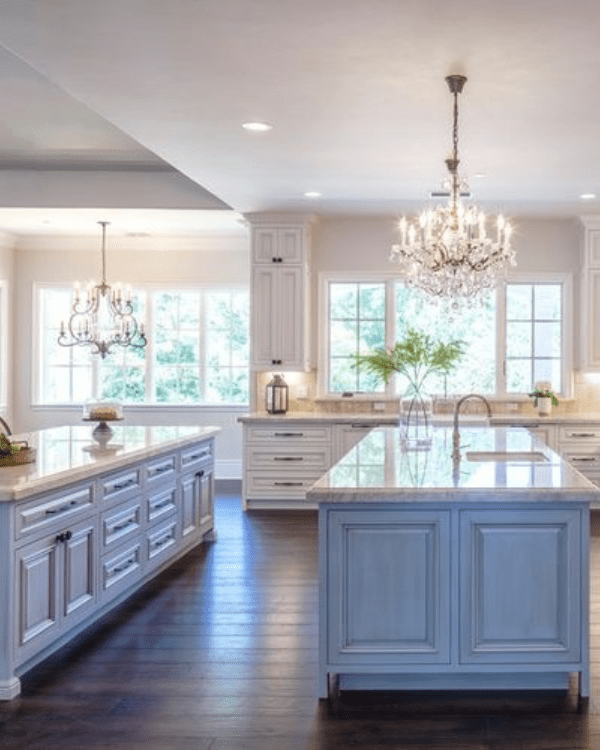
{"points": [[279, 295], [282, 460], [68, 556], [590, 296], [425, 597], [579, 444]]}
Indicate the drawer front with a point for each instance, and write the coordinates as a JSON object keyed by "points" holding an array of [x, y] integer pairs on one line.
{"points": [[161, 468], [120, 523], [161, 504], [260, 485], [55, 509], [121, 484], [196, 455], [583, 460], [579, 433], [289, 434], [161, 542], [120, 569], [283, 461]]}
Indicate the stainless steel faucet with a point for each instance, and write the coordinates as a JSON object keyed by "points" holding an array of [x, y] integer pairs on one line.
{"points": [[6, 427], [455, 432]]}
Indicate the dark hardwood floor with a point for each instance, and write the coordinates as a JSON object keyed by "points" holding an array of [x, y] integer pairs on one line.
{"points": [[220, 653]]}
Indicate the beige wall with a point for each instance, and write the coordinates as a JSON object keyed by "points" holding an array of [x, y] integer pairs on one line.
{"points": [[363, 244], [151, 266], [7, 274]]}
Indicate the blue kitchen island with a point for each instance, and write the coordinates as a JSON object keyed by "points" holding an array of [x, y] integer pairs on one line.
{"points": [[439, 572]]}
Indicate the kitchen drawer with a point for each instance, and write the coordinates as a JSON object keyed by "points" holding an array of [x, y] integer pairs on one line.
{"points": [[316, 460], [263, 484], [161, 468], [289, 434], [161, 543], [193, 457], [53, 510], [120, 523], [583, 460], [120, 569], [161, 503], [121, 484], [578, 433]]}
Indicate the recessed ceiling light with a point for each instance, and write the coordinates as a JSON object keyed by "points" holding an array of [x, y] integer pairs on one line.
{"points": [[257, 127], [312, 194], [587, 196]]}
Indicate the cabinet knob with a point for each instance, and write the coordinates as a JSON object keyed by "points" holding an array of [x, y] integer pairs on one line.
{"points": [[64, 536]]}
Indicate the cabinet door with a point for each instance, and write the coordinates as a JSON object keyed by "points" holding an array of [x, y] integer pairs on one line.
{"points": [[278, 317], [207, 493], [388, 588], [520, 586], [79, 579], [290, 316], [190, 506], [279, 245], [37, 588], [264, 333]]}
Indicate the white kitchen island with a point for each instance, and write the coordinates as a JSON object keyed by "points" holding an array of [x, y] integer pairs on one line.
{"points": [[444, 574], [86, 525]]}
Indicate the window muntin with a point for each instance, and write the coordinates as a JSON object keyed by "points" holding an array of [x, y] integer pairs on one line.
{"points": [[534, 337], [356, 325], [197, 352], [520, 324]]}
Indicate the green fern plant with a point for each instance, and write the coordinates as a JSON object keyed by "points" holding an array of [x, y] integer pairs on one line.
{"points": [[416, 356]]}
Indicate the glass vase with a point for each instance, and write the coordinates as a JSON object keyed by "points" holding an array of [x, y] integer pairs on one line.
{"points": [[416, 426]]}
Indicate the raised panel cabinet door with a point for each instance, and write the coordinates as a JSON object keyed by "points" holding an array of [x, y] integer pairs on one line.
{"points": [[289, 242], [291, 316], [592, 345], [190, 505], [265, 315], [207, 492], [79, 572], [520, 586], [37, 587], [388, 587], [264, 245]]}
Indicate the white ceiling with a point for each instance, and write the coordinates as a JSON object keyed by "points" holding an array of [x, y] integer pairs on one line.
{"points": [[355, 92]]}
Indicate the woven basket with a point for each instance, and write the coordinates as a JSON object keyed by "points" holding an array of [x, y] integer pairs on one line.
{"points": [[22, 456]]}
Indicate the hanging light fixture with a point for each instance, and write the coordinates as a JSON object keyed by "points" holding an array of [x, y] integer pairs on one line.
{"points": [[102, 316], [446, 251]]}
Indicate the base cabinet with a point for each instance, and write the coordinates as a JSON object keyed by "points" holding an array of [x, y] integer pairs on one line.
{"points": [[434, 597], [69, 556]]}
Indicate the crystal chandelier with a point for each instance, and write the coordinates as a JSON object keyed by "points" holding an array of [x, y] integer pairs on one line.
{"points": [[446, 251], [102, 316]]}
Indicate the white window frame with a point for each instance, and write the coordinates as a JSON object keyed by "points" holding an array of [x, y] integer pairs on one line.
{"points": [[150, 288], [326, 278]]}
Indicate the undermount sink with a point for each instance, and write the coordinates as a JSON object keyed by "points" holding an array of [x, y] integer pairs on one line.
{"points": [[512, 456]]}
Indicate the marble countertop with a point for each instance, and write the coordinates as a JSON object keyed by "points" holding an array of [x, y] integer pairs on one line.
{"points": [[384, 418], [380, 468], [70, 454]]}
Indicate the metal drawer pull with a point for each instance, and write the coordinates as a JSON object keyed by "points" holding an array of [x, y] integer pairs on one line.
{"points": [[363, 426], [123, 485], [288, 484], [122, 526], [164, 504], [161, 542], [196, 456], [62, 509], [160, 469], [583, 434], [120, 568], [288, 458], [289, 434], [583, 458]]}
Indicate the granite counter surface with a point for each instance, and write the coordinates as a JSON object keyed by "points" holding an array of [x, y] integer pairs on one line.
{"points": [[381, 468], [70, 454]]}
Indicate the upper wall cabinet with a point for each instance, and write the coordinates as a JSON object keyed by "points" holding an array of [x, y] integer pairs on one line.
{"points": [[279, 293], [278, 245], [590, 295]]}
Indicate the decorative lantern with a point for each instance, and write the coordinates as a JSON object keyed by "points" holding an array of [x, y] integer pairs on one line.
{"points": [[277, 395]]}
